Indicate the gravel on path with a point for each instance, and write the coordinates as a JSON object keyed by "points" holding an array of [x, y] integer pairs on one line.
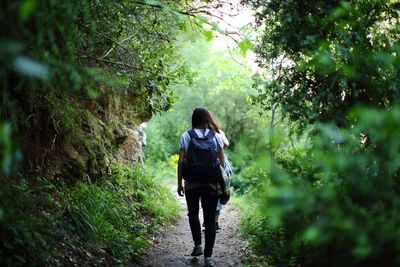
{"points": [[173, 246]]}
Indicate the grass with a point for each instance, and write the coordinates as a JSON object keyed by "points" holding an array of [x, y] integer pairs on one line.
{"points": [[251, 222], [107, 222]]}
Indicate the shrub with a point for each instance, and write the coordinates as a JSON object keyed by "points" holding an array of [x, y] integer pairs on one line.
{"points": [[341, 210], [249, 178], [29, 225], [102, 223]]}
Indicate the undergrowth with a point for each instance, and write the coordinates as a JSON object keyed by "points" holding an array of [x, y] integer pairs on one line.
{"points": [[107, 222]]}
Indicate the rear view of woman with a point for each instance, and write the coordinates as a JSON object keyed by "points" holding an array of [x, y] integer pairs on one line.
{"points": [[204, 133]]}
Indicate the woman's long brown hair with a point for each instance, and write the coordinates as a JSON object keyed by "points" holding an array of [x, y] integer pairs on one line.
{"points": [[202, 118]]}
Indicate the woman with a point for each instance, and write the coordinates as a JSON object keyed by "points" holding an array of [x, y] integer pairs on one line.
{"points": [[228, 171], [202, 124]]}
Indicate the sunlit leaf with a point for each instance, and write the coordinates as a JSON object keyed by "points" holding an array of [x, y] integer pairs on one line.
{"points": [[216, 27], [245, 45], [209, 35], [152, 2], [31, 68]]}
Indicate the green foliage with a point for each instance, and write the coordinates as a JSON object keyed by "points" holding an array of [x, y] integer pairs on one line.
{"points": [[265, 239], [93, 34], [222, 85], [245, 45], [164, 170], [9, 154], [102, 222], [332, 201], [83, 53], [250, 177], [219, 83], [163, 139], [29, 227], [120, 212], [339, 204], [325, 57]]}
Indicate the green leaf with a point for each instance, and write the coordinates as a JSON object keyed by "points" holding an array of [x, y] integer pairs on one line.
{"points": [[312, 233], [215, 27], [26, 9], [31, 68], [201, 20], [7, 152], [245, 45], [209, 35], [152, 2], [168, 8]]}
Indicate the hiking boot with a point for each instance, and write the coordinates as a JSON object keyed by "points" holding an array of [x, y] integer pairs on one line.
{"points": [[217, 228], [197, 251], [209, 262]]}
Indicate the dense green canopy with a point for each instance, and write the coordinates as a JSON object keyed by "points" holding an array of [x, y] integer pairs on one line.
{"points": [[325, 57], [313, 129]]}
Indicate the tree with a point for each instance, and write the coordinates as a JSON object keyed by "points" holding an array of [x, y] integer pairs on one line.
{"points": [[63, 65], [324, 57]]}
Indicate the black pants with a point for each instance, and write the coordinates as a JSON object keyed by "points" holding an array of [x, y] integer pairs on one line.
{"points": [[209, 204]]}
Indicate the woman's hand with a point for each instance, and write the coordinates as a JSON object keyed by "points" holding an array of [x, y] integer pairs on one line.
{"points": [[180, 190], [182, 155]]}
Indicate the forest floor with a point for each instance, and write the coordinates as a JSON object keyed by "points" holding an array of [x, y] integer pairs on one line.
{"points": [[173, 246]]}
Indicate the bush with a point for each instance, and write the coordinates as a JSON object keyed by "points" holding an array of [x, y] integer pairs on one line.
{"points": [[343, 208], [28, 228], [249, 178], [102, 223]]}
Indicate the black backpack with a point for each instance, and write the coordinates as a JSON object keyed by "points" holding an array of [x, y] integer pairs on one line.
{"points": [[201, 164]]}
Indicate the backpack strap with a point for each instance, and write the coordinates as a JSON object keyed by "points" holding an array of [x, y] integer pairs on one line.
{"points": [[192, 134], [210, 134]]}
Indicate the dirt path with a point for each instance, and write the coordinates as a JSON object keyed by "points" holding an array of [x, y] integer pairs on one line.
{"points": [[173, 247]]}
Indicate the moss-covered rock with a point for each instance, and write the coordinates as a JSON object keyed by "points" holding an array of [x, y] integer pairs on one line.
{"points": [[76, 136]]}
